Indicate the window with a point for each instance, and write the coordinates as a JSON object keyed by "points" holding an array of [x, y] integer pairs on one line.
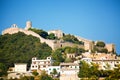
{"points": [[61, 45], [75, 66], [48, 58], [34, 62], [33, 58], [44, 66], [115, 65]]}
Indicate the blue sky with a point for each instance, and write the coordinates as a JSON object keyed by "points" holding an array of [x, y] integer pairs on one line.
{"points": [[91, 19]]}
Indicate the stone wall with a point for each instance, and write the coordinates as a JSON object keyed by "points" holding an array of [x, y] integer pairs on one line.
{"points": [[88, 44], [59, 44], [54, 44], [110, 47], [14, 30]]}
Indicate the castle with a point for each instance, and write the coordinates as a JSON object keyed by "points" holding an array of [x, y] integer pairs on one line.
{"points": [[54, 44]]}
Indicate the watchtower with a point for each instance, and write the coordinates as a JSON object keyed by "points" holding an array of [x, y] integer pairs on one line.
{"points": [[28, 25]]}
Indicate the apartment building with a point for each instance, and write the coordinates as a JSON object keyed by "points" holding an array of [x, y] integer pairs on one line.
{"points": [[40, 64]]}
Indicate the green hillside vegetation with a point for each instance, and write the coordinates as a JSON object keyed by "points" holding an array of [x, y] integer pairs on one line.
{"points": [[3, 69], [59, 55], [20, 48], [91, 72], [100, 47], [72, 39], [44, 34]]}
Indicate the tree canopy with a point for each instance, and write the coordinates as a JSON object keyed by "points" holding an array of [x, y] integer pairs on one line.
{"points": [[57, 57], [73, 50], [88, 71], [20, 48], [100, 44], [3, 69], [72, 39], [42, 33], [45, 76], [52, 36]]}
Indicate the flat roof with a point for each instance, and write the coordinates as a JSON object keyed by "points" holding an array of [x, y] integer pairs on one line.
{"points": [[106, 60], [20, 63], [70, 64]]}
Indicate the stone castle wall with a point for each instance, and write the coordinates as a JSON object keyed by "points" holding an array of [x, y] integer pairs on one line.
{"points": [[110, 47], [88, 44], [14, 30], [58, 44], [54, 44]]}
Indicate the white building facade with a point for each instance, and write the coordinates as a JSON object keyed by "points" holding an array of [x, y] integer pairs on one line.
{"points": [[107, 64], [20, 67], [40, 64], [69, 71]]}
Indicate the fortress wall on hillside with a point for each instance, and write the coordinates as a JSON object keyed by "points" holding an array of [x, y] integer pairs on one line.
{"points": [[14, 30], [54, 44], [88, 44], [110, 47], [42, 40], [72, 45], [59, 44]]}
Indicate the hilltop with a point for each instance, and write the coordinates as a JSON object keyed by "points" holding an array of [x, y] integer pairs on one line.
{"points": [[58, 39], [19, 45], [23, 44]]}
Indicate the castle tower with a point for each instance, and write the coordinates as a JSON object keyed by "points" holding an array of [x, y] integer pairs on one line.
{"points": [[28, 25]]}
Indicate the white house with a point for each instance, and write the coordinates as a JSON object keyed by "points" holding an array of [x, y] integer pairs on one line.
{"points": [[69, 71], [40, 64], [20, 67], [107, 64], [105, 61]]}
